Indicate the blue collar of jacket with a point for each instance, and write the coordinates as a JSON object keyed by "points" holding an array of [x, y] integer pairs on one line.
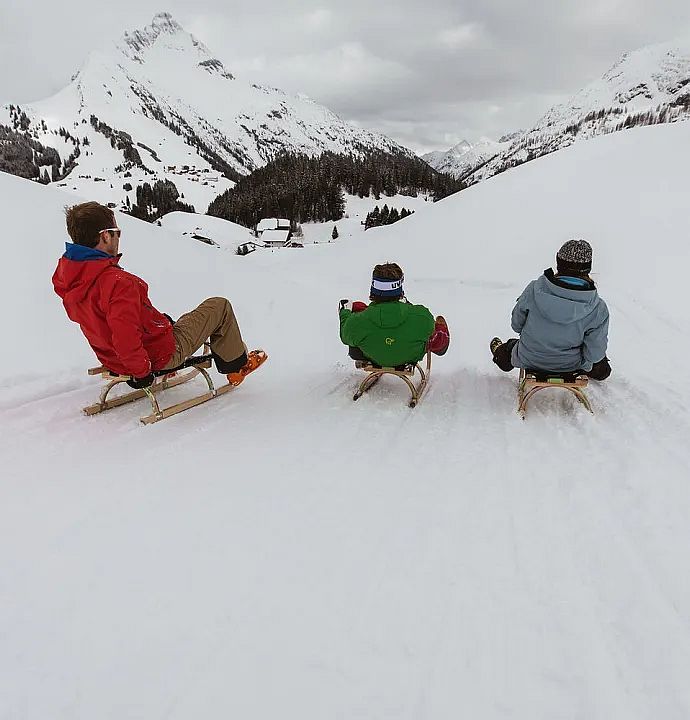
{"points": [[81, 253], [568, 282]]}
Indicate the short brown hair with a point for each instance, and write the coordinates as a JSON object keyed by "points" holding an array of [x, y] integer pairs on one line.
{"points": [[388, 271], [85, 222]]}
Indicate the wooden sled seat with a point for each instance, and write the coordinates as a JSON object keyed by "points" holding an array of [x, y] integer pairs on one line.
{"points": [[192, 361], [532, 381], [547, 376], [369, 366], [404, 372]]}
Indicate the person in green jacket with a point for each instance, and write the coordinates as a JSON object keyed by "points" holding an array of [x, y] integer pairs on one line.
{"points": [[390, 332]]}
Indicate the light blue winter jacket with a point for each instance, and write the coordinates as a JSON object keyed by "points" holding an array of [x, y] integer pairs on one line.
{"points": [[561, 328]]}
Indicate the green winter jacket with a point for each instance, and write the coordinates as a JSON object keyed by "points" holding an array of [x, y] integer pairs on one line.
{"points": [[389, 333]]}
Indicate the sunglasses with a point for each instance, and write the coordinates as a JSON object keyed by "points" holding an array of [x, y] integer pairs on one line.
{"points": [[117, 231]]}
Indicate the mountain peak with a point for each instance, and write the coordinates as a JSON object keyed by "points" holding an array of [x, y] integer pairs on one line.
{"points": [[461, 148], [166, 22], [134, 43], [156, 105], [462, 145]]}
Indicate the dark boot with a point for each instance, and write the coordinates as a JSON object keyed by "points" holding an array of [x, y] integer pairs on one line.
{"points": [[501, 352]]}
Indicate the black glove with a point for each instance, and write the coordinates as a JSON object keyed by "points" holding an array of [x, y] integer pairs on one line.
{"points": [[142, 382], [600, 370], [344, 305]]}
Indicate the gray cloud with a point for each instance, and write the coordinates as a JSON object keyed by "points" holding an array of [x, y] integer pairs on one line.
{"points": [[428, 75]]}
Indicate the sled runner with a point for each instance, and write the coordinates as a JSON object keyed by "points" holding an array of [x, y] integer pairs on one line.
{"points": [[404, 372], [532, 381], [190, 368]]}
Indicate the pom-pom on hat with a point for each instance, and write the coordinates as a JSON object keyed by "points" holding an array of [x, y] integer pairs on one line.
{"points": [[574, 256]]}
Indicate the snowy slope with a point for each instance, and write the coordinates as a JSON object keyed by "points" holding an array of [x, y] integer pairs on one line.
{"points": [[285, 552], [223, 233], [647, 86], [230, 235], [356, 211], [186, 116]]}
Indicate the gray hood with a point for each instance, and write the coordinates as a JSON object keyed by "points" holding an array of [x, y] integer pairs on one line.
{"points": [[563, 305]]}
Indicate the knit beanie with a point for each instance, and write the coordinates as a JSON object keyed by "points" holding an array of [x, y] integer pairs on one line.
{"points": [[574, 256]]}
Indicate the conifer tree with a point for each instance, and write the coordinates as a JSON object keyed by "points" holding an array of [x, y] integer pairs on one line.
{"points": [[334, 234], [373, 218]]}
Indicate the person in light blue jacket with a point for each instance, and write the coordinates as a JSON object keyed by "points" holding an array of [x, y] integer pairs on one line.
{"points": [[562, 322]]}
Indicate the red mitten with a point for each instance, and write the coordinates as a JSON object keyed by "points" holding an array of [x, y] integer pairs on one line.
{"points": [[440, 339], [358, 306]]}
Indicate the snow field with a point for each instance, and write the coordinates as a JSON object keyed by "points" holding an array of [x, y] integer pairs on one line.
{"points": [[285, 551], [356, 211]]}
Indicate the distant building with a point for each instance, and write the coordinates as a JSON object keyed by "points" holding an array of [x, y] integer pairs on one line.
{"points": [[272, 224], [246, 248], [275, 238], [274, 232], [203, 239]]}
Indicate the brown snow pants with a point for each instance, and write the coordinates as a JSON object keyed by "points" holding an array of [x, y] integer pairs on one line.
{"points": [[213, 319]]}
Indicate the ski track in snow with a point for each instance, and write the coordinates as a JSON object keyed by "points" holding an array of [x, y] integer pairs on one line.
{"points": [[284, 550], [482, 553]]}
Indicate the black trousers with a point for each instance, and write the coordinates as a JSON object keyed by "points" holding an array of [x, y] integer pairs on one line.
{"points": [[600, 370], [356, 354]]}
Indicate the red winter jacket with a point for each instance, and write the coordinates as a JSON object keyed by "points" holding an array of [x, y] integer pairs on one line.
{"points": [[112, 307]]}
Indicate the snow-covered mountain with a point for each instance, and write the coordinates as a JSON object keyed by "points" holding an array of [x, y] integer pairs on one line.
{"points": [[438, 157], [158, 105], [465, 157], [285, 552], [650, 85]]}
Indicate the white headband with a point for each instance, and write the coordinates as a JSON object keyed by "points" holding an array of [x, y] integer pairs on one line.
{"points": [[387, 285]]}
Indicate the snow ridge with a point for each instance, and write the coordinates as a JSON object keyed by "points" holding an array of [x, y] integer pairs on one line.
{"points": [[648, 86]]}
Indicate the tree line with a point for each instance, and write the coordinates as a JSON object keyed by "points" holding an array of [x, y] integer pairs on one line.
{"points": [[385, 216], [154, 201], [311, 189]]}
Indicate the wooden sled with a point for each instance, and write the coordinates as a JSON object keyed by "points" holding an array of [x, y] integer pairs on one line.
{"points": [[531, 382], [191, 368], [406, 373]]}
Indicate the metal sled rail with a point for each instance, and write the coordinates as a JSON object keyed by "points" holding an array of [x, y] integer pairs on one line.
{"points": [[529, 386], [375, 373]]}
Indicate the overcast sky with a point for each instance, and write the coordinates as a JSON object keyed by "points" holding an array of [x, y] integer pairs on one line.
{"points": [[426, 73]]}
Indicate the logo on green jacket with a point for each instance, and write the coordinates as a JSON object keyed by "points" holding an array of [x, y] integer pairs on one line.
{"points": [[390, 341]]}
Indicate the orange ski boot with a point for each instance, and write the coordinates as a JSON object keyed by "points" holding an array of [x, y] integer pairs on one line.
{"points": [[255, 359]]}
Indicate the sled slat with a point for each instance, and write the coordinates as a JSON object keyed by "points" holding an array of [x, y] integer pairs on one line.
{"points": [[185, 405], [129, 397]]}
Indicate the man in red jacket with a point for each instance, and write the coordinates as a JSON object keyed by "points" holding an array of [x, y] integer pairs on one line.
{"points": [[112, 307]]}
